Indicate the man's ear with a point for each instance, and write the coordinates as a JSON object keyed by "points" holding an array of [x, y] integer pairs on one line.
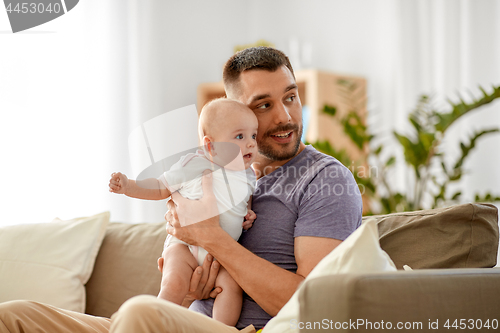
{"points": [[208, 145]]}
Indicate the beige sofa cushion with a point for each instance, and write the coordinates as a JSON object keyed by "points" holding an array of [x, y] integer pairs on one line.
{"points": [[50, 262], [462, 236], [126, 266]]}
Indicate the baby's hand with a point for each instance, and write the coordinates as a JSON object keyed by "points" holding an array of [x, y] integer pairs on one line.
{"points": [[249, 219], [118, 183]]}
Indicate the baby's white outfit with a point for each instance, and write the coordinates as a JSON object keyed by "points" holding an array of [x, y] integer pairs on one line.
{"points": [[232, 189]]}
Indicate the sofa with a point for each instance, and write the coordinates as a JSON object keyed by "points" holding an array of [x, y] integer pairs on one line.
{"points": [[451, 253]]}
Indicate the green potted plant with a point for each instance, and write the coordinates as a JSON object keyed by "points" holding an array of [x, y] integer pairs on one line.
{"points": [[422, 152]]}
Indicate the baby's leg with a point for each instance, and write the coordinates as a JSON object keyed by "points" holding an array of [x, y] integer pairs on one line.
{"points": [[178, 267], [227, 305]]}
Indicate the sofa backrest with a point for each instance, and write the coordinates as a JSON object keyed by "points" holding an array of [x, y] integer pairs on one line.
{"points": [[461, 236], [458, 236], [126, 266]]}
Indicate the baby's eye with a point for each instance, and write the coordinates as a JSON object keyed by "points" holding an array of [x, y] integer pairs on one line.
{"points": [[239, 136], [254, 136]]}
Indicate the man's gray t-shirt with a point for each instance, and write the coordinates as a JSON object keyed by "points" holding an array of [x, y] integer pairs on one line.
{"points": [[311, 195]]}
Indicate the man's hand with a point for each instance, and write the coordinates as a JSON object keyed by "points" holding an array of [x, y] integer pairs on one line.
{"points": [[193, 221], [118, 183], [249, 219], [188, 221], [202, 281]]}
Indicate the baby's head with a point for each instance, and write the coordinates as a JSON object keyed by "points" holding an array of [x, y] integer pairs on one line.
{"points": [[226, 120]]}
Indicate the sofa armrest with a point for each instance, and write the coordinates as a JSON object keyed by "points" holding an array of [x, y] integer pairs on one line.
{"points": [[417, 296]]}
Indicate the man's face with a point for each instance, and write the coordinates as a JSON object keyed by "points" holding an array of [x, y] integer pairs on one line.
{"points": [[274, 98]]}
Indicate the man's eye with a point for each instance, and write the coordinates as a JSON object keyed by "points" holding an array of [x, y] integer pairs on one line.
{"points": [[239, 136], [290, 99], [263, 106]]}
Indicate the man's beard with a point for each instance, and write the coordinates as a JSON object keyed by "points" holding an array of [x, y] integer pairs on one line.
{"points": [[272, 153]]}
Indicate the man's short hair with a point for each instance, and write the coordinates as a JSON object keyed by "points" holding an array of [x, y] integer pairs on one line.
{"points": [[260, 57]]}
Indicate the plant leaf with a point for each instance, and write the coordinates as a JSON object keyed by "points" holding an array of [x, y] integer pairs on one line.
{"points": [[414, 152], [466, 149], [331, 110], [356, 130], [488, 197], [447, 119], [390, 161]]}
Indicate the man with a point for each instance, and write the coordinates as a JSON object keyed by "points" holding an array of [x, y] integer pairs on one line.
{"points": [[300, 219]]}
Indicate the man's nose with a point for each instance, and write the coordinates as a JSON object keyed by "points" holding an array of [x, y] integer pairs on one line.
{"points": [[281, 114]]}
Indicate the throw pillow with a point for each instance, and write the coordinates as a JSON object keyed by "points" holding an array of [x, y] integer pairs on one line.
{"points": [[461, 236], [125, 266], [50, 262], [358, 253]]}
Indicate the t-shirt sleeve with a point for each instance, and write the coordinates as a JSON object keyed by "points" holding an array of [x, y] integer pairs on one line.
{"points": [[331, 205]]}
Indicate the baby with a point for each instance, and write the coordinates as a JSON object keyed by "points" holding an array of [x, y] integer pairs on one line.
{"points": [[224, 126]]}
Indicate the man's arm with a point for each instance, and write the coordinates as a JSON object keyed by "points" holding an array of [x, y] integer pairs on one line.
{"points": [[310, 250], [269, 285]]}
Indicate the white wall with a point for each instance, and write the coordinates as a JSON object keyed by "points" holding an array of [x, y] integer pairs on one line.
{"points": [[73, 89]]}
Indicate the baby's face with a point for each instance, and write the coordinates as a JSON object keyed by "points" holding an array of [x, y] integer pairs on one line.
{"points": [[240, 128]]}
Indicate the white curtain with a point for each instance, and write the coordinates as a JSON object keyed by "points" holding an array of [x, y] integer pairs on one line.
{"points": [[68, 102], [72, 90], [447, 49], [57, 84]]}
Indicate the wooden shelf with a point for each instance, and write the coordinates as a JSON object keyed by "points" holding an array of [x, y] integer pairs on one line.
{"points": [[321, 88], [207, 92]]}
